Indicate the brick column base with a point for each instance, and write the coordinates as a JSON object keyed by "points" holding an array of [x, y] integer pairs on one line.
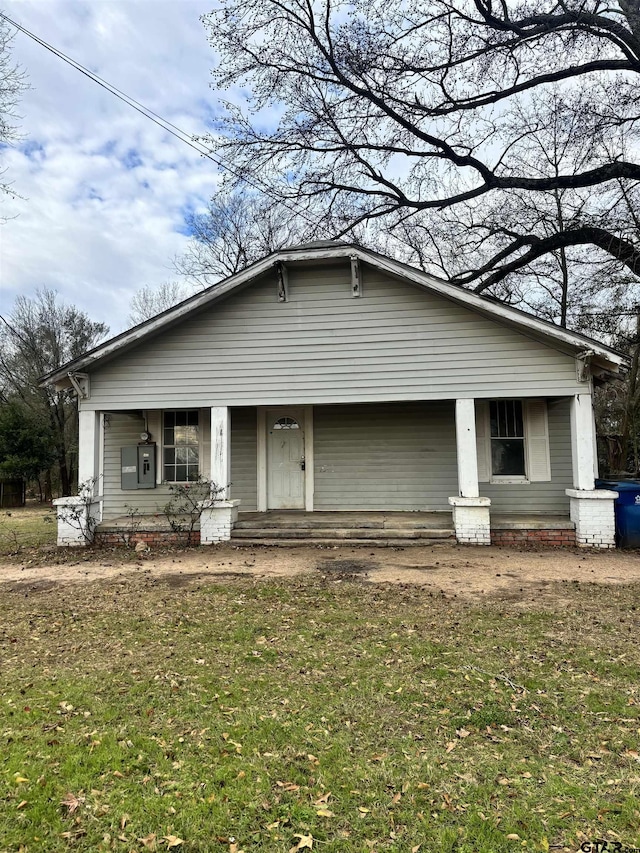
{"points": [[217, 520], [471, 520], [77, 519], [593, 515]]}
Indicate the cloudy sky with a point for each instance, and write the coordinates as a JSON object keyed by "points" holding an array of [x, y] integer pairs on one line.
{"points": [[105, 191]]}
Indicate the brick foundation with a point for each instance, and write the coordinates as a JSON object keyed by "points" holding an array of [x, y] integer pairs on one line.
{"points": [[561, 538], [158, 538], [153, 538]]}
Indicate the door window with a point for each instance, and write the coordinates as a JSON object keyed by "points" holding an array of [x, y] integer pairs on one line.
{"points": [[286, 423]]}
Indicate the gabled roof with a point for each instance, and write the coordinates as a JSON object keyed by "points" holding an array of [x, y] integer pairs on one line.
{"points": [[607, 358]]}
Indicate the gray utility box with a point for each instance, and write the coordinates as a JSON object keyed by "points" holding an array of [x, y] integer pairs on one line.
{"points": [[138, 467]]}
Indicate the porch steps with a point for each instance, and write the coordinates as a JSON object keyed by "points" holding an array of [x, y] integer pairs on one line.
{"points": [[327, 542], [337, 533], [330, 529]]}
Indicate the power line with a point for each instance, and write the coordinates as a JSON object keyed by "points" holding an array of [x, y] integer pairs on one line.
{"points": [[145, 111], [148, 113]]}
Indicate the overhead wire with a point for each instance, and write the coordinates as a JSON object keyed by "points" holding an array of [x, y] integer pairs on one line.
{"points": [[176, 131], [148, 113]]}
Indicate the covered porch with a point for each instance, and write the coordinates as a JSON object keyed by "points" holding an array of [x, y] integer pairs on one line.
{"points": [[371, 472]]}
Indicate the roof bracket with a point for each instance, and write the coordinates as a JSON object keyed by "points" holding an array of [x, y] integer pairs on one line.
{"points": [[81, 385], [283, 281], [583, 365], [356, 278]]}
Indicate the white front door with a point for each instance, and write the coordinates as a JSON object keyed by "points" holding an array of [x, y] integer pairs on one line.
{"points": [[285, 459]]}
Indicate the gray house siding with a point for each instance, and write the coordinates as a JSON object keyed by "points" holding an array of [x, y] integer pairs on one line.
{"points": [[123, 429], [396, 342], [389, 457], [403, 457], [244, 457]]}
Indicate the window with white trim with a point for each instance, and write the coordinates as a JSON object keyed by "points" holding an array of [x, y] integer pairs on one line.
{"points": [[181, 446], [512, 439]]}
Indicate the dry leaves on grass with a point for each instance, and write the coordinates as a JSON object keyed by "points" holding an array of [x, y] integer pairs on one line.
{"points": [[305, 843], [323, 800], [172, 841], [71, 801]]}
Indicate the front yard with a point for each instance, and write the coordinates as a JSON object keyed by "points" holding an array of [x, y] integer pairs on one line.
{"points": [[235, 713], [31, 526]]}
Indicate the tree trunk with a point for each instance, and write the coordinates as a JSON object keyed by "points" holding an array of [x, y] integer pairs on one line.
{"points": [[65, 479], [628, 420], [48, 490]]}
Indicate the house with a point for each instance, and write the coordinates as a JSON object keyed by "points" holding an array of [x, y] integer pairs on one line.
{"points": [[328, 377]]}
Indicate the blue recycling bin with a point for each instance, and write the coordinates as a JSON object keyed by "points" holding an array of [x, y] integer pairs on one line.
{"points": [[627, 510]]}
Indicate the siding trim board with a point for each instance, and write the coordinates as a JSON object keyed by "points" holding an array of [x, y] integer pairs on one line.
{"points": [[310, 454]]}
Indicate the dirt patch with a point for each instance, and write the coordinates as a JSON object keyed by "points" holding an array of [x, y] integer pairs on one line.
{"points": [[30, 587], [425, 568], [457, 571], [346, 568], [181, 579]]}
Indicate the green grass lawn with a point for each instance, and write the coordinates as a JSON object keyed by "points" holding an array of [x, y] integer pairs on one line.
{"points": [[311, 713], [32, 526]]}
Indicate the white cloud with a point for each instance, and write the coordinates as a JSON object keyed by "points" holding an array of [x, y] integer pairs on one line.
{"points": [[105, 190]]}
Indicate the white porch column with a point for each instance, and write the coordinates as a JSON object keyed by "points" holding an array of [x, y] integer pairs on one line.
{"points": [[219, 514], [78, 515], [220, 468], [471, 515], [89, 442], [466, 449], [591, 509], [583, 450]]}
